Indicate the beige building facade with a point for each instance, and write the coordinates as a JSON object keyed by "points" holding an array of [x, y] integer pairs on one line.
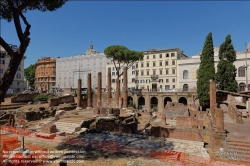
{"points": [[188, 70], [18, 84], [131, 74], [158, 69]]}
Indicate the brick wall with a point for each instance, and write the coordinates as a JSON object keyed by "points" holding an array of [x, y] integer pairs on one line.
{"points": [[186, 121]]}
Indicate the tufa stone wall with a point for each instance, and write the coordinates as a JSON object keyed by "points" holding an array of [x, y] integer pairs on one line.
{"points": [[61, 100], [186, 134], [21, 98]]}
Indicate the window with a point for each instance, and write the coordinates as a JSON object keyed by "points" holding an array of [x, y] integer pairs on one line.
{"points": [[136, 65], [18, 75], [147, 81], [166, 71], [147, 72], [133, 67], [147, 64], [173, 62], [113, 68], [160, 72], [185, 74], [166, 80], [17, 83], [1, 61], [166, 63], [160, 80], [154, 56], [141, 64], [133, 80], [167, 55], [154, 72], [241, 71], [147, 57], [1, 70], [113, 73], [113, 80], [133, 72], [142, 73], [153, 64], [173, 86], [173, 80], [173, 71], [160, 63], [160, 55], [172, 54], [109, 68]]}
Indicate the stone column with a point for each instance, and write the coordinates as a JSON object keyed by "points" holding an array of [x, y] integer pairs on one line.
{"points": [[109, 88], [117, 93], [89, 91], [125, 88], [219, 120], [212, 93], [79, 94], [99, 90], [163, 118]]}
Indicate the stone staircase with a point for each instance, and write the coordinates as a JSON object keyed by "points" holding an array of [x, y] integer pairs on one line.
{"points": [[236, 150]]}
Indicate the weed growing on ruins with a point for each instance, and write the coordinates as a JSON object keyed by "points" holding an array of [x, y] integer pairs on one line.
{"points": [[41, 97], [189, 95]]}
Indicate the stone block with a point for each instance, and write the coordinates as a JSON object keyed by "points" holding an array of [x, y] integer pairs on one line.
{"points": [[103, 112], [48, 128]]}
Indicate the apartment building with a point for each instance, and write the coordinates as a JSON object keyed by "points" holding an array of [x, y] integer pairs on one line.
{"points": [[158, 69], [45, 74], [18, 81], [131, 74], [188, 70], [70, 69]]}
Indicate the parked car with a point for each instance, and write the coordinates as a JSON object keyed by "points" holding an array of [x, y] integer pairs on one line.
{"points": [[84, 91], [27, 91], [10, 91]]}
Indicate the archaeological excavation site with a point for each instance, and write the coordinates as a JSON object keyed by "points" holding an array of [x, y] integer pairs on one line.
{"points": [[128, 127]]}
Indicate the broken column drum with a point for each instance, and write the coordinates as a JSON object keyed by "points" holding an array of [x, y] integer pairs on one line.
{"points": [[99, 90], [79, 93], [109, 88], [89, 91], [125, 88]]}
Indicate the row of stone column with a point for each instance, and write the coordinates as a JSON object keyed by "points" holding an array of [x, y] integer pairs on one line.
{"points": [[99, 90]]}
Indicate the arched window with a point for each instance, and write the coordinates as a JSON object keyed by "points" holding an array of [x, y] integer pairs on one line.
{"points": [[242, 86], [185, 74], [197, 72], [241, 71]]}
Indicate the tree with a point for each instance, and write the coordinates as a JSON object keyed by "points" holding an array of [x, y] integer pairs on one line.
{"points": [[29, 74], [206, 71], [121, 57], [226, 73], [12, 10]]}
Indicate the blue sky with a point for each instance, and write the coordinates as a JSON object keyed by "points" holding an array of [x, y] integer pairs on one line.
{"points": [[139, 25]]}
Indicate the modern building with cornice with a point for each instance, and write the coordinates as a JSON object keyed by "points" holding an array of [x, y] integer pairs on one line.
{"points": [[158, 69], [188, 69], [70, 69]]}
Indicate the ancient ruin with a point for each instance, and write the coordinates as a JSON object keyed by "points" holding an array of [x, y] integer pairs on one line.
{"points": [[173, 122]]}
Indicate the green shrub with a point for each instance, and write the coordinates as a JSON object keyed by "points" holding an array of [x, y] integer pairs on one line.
{"points": [[189, 95], [155, 108], [41, 97]]}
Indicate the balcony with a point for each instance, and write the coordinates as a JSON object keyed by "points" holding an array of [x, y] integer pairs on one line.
{"points": [[154, 78]]}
